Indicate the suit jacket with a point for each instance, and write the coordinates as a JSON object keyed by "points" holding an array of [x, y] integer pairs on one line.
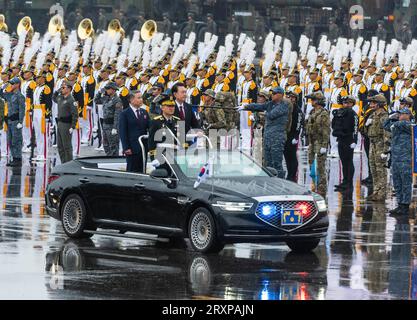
{"points": [[131, 128], [191, 121]]}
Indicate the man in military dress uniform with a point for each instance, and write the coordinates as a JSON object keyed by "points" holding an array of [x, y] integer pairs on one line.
{"points": [[169, 125], [67, 120]]}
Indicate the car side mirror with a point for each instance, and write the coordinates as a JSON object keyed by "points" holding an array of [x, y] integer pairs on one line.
{"points": [[163, 175], [272, 171], [160, 174]]}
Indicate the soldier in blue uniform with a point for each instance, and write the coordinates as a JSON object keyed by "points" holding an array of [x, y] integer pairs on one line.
{"points": [[276, 115], [16, 112], [400, 126]]}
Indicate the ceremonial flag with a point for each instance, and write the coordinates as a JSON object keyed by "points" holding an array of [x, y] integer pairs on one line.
{"points": [[202, 176]]}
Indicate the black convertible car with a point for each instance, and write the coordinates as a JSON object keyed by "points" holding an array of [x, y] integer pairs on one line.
{"points": [[239, 201]]}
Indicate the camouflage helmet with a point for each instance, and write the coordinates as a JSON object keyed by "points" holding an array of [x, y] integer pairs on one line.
{"points": [[210, 93], [379, 99], [220, 97], [318, 95]]}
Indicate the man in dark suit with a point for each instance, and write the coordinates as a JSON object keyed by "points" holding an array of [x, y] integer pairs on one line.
{"points": [[183, 110], [133, 123]]}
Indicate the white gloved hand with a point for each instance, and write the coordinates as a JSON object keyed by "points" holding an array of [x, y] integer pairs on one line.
{"points": [[353, 146], [113, 132], [240, 108], [252, 117], [155, 163], [71, 130], [294, 141], [323, 150], [19, 126], [384, 156], [368, 122]]}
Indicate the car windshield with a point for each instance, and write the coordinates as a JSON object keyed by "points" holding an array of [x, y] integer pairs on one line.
{"points": [[221, 164]]}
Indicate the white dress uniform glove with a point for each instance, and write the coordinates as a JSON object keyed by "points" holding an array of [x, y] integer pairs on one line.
{"points": [[323, 150], [384, 156], [71, 130], [240, 108], [353, 146], [113, 132], [368, 122], [155, 163], [294, 141], [19, 126], [252, 117]]}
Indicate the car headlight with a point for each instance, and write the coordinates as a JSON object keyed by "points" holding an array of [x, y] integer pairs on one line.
{"points": [[233, 206], [321, 205]]}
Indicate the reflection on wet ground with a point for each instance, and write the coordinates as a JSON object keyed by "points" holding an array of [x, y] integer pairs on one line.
{"points": [[367, 254]]}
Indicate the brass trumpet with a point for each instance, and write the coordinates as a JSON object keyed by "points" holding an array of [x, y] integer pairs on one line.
{"points": [[3, 25], [85, 29], [56, 25], [148, 30], [25, 24], [116, 27]]}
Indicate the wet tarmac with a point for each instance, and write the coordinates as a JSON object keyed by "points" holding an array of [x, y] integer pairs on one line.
{"points": [[367, 254]]}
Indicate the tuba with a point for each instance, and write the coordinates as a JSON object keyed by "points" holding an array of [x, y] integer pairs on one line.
{"points": [[25, 24], [56, 25], [115, 27], [85, 29], [3, 25], [148, 30]]}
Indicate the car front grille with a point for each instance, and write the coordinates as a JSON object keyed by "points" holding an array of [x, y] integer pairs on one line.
{"points": [[271, 212]]}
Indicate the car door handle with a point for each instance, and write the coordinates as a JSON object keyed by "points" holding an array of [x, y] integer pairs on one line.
{"points": [[84, 180], [139, 186]]}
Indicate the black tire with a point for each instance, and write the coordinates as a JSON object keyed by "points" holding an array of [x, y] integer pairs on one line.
{"points": [[303, 246], [202, 232], [74, 217]]}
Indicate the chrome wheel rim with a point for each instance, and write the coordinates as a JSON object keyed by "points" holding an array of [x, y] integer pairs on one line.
{"points": [[201, 231], [72, 216]]}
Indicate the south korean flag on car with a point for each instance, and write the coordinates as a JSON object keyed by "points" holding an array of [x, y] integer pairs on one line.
{"points": [[202, 176]]}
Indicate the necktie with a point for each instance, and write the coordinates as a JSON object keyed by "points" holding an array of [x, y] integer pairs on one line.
{"points": [[182, 115], [137, 114]]}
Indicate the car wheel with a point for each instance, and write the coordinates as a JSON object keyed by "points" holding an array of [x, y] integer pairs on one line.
{"points": [[202, 232], [302, 246], [74, 217]]}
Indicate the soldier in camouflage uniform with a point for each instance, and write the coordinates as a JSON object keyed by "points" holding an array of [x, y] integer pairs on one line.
{"points": [[258, 129], [16, 112], [379, 146], [276, 115], [400, 126], [112, 107], [213, 118], [228, 101], [318, 131]]}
